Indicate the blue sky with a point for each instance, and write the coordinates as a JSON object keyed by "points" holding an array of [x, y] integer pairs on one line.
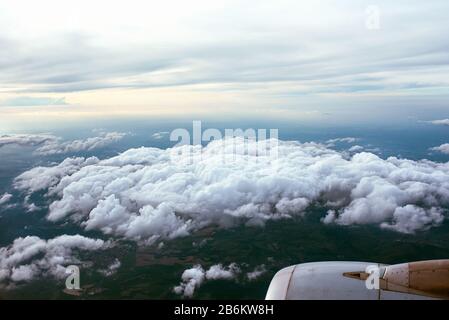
{"points": [[309, 60]]}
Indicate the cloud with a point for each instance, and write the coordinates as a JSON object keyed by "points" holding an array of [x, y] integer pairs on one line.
{"points": [[51, 145], [356, 148], [89, 144], [151, 194], [112, 268], [209, 43], [346, 140], [444, 122], [410, 218], [225, 273], [444, 148], [160, 135], [256, 273], [5, 198], [193, 278], [26, 139], [29, 207], [41, 178], [32, 101], [333, 142], [31, 257]]}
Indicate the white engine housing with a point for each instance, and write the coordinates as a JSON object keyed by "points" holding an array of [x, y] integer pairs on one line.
{"points": [[330, 281]]}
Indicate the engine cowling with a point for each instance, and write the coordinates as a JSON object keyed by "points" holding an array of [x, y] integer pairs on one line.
{"points": [[357, 280]]}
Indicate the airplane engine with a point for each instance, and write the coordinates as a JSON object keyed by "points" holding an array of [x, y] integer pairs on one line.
{"points": [[361, 281]]}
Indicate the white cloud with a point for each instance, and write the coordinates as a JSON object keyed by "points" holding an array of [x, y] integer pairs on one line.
{"points": [[29, 206], [112, 268], [444, 122], [89, 144], [41, 178], [143, 195], [50, 144], [31, 257], [26, 139], [256, 273], [410, 218], [333, 142], [160, 135], [346, 140], [5, 198], [330, 217], [356, 148], [219, 272], [193, 278], [444, 148]]}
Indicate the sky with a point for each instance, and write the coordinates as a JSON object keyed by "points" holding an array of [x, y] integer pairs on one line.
{"points": [[99, 71], [344, 59]]}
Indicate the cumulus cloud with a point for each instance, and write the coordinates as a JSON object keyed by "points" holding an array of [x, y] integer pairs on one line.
{"points": [[5, 198], [256, 273], [31, 257], [444, 148], [444, 122], [219, 272], [41, 178], [410, 218], [89, 144], [194, 277], [191, 279], [148, 194]]}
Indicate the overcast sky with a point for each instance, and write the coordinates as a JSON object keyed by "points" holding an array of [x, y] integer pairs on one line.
{"points": [[312, 58]]}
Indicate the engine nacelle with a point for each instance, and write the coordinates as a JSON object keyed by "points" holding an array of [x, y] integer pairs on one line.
{"points": [[361, 281]]}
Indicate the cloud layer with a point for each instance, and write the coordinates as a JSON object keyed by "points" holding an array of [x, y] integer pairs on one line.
{"points": [[296, 47], [147, 194], [101, 141], [50, 144], [31, 257], [26, 139]]}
